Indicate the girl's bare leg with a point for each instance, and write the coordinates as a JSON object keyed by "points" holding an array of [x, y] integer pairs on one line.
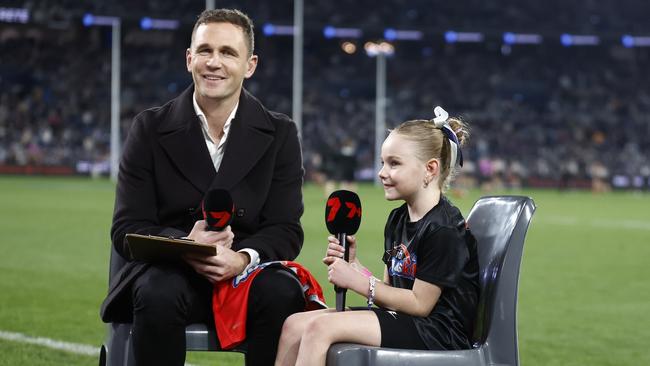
{"points": [[333, 327], [292, 332]]}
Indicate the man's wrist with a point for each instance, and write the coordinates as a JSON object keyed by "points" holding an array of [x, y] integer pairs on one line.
{"points": [[246, 259], [252, 258]]}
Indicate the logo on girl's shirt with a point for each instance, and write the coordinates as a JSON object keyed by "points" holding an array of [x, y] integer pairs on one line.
{"points": [[403, 263]]}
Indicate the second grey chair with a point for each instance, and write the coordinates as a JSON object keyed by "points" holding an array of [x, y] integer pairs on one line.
{"points": [[499, 224]]}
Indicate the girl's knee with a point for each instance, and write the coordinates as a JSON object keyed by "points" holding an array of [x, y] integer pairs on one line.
{"points": [[290, 324], [318, 329], [294, 325]]}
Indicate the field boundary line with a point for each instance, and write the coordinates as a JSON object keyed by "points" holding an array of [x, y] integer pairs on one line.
{"points": [[80, 349], [77, 348]]}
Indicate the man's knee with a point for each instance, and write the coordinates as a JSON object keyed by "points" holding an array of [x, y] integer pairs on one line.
{"points": [[160, 287], [278, 290]]}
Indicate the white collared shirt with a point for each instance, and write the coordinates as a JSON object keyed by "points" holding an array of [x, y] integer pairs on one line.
{"points": [[216, 150], [216, 154]]}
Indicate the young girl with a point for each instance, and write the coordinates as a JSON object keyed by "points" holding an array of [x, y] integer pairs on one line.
{"points": [[428, 297]]}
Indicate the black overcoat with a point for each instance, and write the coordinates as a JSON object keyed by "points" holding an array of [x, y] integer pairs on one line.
{"points": [[165, 171]]}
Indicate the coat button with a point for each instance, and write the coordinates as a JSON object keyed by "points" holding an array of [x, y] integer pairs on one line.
{"points": [[241, 212]]}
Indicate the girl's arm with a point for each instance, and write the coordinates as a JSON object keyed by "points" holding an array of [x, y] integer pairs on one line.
{"points": [[442, 256], [417, 302]]}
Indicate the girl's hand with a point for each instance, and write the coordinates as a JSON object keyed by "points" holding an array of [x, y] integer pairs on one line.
{"points": [[341, 274], [335, 249]]}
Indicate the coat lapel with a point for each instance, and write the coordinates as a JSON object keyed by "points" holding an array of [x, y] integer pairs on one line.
{"points": [[250, 136], [182, 139]]}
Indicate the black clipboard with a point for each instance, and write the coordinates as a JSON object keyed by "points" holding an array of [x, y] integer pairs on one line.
{"points": [[159, 248]]}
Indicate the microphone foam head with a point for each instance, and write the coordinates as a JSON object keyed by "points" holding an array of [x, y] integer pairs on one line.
{"points": [[343, 212], [218, 209]]}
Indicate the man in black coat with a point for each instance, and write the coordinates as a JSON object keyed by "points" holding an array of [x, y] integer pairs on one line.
{"points": [[214, 135]]}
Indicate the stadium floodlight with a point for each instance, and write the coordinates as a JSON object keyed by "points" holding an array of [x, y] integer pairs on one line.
{"points": [[278, 30], [521, 38], [391, 34], [14, 15], [635, 41], [375, 49], [334, 32], [349, 47], [147, 23], [463, 37], [568, 40], [90, 20]]}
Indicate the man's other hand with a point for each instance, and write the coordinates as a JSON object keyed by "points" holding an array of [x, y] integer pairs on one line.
{"points": [[223, 266]]}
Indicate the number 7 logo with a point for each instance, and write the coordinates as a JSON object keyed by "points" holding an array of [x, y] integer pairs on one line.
{"points": [[354, 210], [222, 216], [335, 204]]}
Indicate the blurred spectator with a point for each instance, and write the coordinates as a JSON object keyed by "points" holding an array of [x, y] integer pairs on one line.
{"points": [[343, 165]]}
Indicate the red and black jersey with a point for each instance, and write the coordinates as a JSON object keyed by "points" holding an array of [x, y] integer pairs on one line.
{"points": [[230, 300]]}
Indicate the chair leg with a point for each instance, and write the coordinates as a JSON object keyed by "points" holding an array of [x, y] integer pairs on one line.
{"points": [[118, 346], [102, 356]]}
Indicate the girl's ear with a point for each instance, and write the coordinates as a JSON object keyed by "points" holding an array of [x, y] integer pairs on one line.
{"points": [[433, 167]]}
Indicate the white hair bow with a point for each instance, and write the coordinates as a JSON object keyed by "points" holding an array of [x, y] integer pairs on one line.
{"points": [[440, 121], [441, 116]]}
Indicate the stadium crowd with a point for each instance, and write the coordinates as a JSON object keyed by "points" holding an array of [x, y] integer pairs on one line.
{"points": [[540, 114]]}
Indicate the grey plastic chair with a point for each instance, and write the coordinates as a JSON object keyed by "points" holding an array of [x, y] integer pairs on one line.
{"points": [[499, 224], [117, 351]]}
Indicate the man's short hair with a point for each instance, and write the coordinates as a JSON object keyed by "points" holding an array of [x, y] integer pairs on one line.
{"points": [[232, 16]]}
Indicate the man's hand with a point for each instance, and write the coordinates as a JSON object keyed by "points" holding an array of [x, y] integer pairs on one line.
{"points": [[223, 266], [226, 264], [200, 234]]}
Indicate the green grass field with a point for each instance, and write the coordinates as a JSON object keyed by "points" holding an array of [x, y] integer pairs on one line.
{"points": [[584, 296]]}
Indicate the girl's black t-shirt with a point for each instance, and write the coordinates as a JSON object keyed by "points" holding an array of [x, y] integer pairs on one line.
{"points": [[438, 249]]}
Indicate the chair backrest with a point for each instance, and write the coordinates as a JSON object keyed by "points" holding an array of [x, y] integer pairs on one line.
{"points": [[117, 262], [499, 224]]}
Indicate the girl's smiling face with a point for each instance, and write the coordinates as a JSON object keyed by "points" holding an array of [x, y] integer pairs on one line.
{"points": [[402, 173]]}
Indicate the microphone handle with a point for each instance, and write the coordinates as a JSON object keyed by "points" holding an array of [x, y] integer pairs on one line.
{"points": [[341, 292], [340, 301], [344, 242], [346, 256]]}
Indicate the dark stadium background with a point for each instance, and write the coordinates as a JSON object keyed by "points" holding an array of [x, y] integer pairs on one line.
{"points": [[543, 114], [567, 124]]}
